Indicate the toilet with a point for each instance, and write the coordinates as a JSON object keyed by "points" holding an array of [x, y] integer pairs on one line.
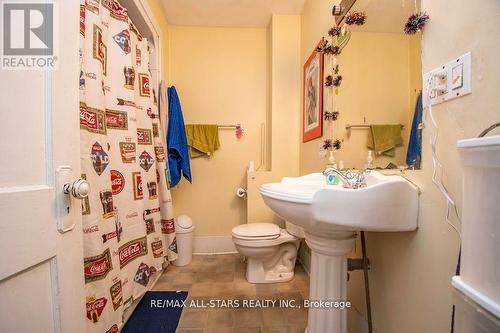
{"points": [[270, 250]]}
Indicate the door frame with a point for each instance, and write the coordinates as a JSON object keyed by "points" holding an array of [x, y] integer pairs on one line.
{"points": [[141, 9]]}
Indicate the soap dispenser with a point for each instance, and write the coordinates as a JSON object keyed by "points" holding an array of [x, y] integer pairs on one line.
{"points": [[331, 161], [331, 178], [369, 160]]}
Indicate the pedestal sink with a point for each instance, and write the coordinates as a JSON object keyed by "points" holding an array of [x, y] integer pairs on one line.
{"points": [[330, 216]]}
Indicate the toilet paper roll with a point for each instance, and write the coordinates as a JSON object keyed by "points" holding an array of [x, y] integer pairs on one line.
{"points": [[241, 192]]}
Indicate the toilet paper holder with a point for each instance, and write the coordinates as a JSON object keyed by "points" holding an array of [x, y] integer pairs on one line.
{"points": [[241, 192]]}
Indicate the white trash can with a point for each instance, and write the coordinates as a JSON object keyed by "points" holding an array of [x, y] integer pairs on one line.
{"points": [[184, 233]]}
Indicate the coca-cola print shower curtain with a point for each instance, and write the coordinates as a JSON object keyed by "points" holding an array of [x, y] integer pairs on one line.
{"points": [[127, 218]]}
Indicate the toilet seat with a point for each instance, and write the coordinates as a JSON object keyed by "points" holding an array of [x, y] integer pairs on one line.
{"points": [[254, 231], [260, 235]]}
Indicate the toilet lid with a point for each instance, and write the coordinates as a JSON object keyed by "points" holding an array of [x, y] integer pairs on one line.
{"points": [[257, 231]]}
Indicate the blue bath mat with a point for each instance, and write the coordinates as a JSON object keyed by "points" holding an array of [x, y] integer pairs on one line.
{"points": [[157, 312]]}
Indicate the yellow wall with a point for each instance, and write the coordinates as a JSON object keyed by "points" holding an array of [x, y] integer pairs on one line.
{"points": [[411, 272], [285, 102], [283, 127], [221, 78]]}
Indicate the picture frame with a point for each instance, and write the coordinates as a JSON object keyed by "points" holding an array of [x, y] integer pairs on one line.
{"points": [[312, 96]]}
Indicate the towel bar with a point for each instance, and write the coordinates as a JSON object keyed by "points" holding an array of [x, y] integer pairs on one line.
{"points": [[347, 127]]}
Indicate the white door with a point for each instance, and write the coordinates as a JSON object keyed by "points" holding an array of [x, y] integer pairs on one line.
{"points": [[41, 268]]}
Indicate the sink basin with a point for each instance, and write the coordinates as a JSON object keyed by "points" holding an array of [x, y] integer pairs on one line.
{"points": [[330, 216], [387, 203]]}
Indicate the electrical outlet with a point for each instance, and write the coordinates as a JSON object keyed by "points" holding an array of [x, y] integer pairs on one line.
{"points": [[449, 81]]}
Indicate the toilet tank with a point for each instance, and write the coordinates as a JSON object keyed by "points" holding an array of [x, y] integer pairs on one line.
{"points": [[480, 266], [257, 210]]}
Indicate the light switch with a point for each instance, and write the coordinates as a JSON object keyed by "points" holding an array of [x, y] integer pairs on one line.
{"points": [[449, 81], [457, 77]]}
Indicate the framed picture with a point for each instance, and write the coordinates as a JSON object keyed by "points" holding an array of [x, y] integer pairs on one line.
{"points": [[313, 97]]}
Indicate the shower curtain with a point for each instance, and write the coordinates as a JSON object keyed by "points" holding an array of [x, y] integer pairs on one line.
{"points": [[127, 219]]}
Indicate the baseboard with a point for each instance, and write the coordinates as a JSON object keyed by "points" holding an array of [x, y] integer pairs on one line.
{"points": [[213, 245]]}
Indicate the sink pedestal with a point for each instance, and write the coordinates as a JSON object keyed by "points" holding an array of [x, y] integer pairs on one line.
{"points": [[328, 279]]}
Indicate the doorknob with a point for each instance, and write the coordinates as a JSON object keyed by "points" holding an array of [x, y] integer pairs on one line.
{"points": [[79, 188]]}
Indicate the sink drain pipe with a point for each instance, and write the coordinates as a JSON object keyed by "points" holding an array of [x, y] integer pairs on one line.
{"points": [[364, 264]]}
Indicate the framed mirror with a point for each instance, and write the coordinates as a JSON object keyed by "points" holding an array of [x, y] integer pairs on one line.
{"points": [[379, 97]]}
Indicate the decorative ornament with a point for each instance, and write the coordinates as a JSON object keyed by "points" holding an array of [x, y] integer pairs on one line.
{"points": [[337, 144], [355, 18], [336, 69], [332, 49], [333, 116], [334, 31], [328, 81], [239, 131], [416, 23], [331, 145], [337, 81], [327, 144]]}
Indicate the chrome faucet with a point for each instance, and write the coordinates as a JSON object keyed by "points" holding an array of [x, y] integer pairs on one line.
{"points": [[349, 179]]}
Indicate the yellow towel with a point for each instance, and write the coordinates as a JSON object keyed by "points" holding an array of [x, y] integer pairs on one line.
{"points": [[384, 139], [202, 140]]}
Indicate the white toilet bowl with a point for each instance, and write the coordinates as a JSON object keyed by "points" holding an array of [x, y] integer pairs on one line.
{"points": [[271, 251]]}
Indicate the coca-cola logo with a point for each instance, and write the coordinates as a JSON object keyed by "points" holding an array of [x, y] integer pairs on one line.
{"points": [[116, 10], [137, 181], [157, 248], [91, 229], [97, 267], [116, 294], [95, 308], [167, 226], [160, 153], [92, 120], [117, 182], [144, 85], [99, 158], [146, 161], [144, 136], [108, 236], [132, 215], [142, 274], [123, 40], [87, 118], [132, 250], [116, 119]]}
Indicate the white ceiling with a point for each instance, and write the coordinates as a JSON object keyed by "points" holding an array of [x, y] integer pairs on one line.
{"points": [[385, 15], [228, 13]]}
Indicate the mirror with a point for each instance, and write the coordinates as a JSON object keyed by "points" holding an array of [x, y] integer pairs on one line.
{"points": [[381, 82]]}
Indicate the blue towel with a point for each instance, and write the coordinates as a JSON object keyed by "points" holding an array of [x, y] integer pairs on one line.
{"points": [[178, 151], [414, 155]]}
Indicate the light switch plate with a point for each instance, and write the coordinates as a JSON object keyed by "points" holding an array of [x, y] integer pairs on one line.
{"points": [[457, 78]]}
